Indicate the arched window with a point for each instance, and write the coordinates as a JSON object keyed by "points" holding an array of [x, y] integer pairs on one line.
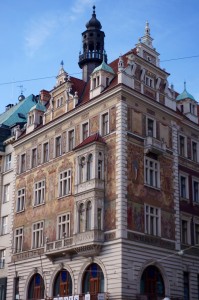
{"points": [[81, 217], [100, 166], [62, 284], [89, 167], [93, 280], [152, 284], [36, 287], [82, 169], [88, 216]]}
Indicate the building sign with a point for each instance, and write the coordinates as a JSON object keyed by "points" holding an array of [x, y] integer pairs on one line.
{"points": [[87, 296], [101, 296]]}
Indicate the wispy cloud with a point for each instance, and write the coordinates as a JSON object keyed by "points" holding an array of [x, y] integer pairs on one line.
{"points": [[79, 7], [37, 33]]}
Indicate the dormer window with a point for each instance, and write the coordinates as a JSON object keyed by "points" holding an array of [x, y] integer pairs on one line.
{"points": [[94, 83], [182, 108], [59, 102], [192, 108], [149, 81], [107, 81]]}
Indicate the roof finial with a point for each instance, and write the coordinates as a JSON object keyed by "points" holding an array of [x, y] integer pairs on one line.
{"points": [[185, 85], [147, 29], [93, 9], [62, 64]]}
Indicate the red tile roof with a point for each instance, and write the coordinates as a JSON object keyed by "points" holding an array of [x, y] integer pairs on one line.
{"points": [[93, 138]]}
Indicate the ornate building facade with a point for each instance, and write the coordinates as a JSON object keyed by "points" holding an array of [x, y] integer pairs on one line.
{"points": [[107, 183]]}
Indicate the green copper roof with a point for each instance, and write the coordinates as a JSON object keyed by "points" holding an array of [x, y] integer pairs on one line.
{"points": [[18, 112], [185, 95], [104, 67], [39, 107]]}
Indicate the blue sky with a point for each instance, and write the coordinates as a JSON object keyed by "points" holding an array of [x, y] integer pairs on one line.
{"points": [[35, 35]]}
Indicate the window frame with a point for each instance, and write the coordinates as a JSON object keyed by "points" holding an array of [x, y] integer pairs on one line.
{"points": [[185, 240], [34, 157], [45, 157], [20, 198], [39, 192], [70, 145], [8, 162], [195, 180], [196, 232], [147, 172], [61, 224], [153, 129], [182, 151], [149, 81], [83, 136], [186, 186], [58, 146], [4, 225], [22, 162], [18, 240], [38, 235], [2, 258], [195, 155], [104, 125], [63, 183], [6, 193], [155, 228]]}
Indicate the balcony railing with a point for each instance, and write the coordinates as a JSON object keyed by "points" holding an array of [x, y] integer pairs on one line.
{"points": [[86, 243], [94, 183], [151, 144]]}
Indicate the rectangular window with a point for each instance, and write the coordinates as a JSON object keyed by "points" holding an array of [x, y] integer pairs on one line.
{"points": [[185, 231], [182, 146], [39, 192], [18, 239], [104, 124], [151, 129], [4, 225], [2, 258], [196, 191], [71, 140], [149, 81], [23, 163], [57, 146], [6, 193], [34, 158], [184, 192], [63, 226], [45, 152], [194, 151], [8, 161], [152, 172], [196, 233], [37, 235], [152, 220], [186, 285], [85, 132], [99, 218], [64, 183], [20, 200]]}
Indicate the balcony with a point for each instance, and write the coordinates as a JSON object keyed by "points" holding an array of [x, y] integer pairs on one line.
{"points": [[153, 145], [89, 185], [86, 244]]}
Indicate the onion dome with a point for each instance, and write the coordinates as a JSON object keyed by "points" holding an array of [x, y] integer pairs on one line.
{"points": [[93, 21], [185, 95]]}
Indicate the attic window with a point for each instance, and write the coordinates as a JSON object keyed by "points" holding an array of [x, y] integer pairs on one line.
{"points": [[149, 81], [182, 108], [192, 108]]}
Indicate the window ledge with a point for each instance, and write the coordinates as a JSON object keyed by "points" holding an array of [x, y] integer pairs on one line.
{"points": [[152, 187], [20, 211], [184, 199], [64, 196], [36, 205]]}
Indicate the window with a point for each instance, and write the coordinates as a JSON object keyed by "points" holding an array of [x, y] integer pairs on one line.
{"points": [[184, 187], [34, 158], [151, 127], [89, 166], [186, 285], [194, 151], [81, 217], [23, 163], [71, 140], [185, 231], [63, 226], [152, 220], [45, 152], [16, 288], [20, 200], [36, 287], [18, 239], [104, 124], [59, 102], [93, 280], [62, 285], [149, 81], [88, 215], [196, 239], [64, 183], [4, 225], [82, 169], [37, 235], [2, 258], [6, 193], [57, 146], [39, 192], [196, 191], [85, 132], [152, 172], [182, 146], [8, 160], [100, 166], [99, 218]]}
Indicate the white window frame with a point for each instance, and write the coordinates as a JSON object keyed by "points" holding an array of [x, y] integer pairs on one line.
{"points": [[8, 162], [38, 235], [154, 217], [104, 132], [6, 193], [185, 176], [18, 241], [197, 151], [44, 158], [69, 148], [20, 203], [182, 152], [22, 164], [65, 183], [149, 81], [56, 154], [188, 237], [39, 193], [196, 233], [195, 197], [82, 132], [4, 225], [153, 181], [153, 134], [33, 163], [63, 226], [2, 258]]}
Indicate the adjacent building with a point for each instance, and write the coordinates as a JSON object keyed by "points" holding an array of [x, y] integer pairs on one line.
{"points": [[106, 201]]}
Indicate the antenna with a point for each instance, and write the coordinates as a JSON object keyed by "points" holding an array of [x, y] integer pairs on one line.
{"points": [[22, 89]]}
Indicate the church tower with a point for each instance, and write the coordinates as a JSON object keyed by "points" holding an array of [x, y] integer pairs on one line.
{"points": [[93, 47]]}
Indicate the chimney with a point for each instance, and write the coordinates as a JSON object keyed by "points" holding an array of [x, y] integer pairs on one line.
{"points": [[44, 96]]}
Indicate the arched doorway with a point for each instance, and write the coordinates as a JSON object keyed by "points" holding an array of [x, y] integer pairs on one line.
{"points": [[62, 284], [93, 281], [36, 287], [152, 284]]}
